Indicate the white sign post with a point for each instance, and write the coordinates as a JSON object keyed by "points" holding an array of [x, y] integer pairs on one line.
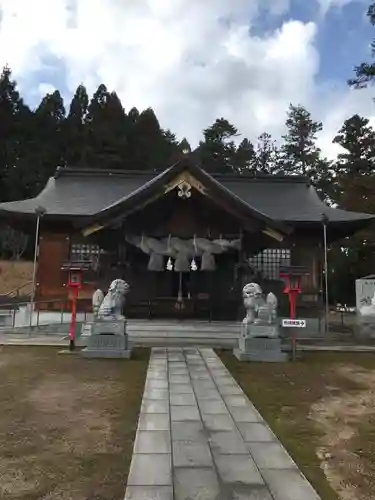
{"points": [[293, 323]]}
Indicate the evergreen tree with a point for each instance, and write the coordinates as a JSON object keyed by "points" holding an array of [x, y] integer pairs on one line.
{"points": [[75, 129], [299, 148], [167, 149], [300, 154], [355, 190], [357, 138], [49, 121], [184, 146], [133, 115], [41, 150], [267, 155], [150, 147], [365, 72], [355, 166], [245, 158], [218, 148], [15, 130], [107, 127]]}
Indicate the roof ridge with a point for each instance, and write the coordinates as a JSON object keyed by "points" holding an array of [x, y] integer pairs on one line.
{"points": [[99, 172]]}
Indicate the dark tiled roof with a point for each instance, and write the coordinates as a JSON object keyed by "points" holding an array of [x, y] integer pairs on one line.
{"points": [[291, 199], [72, 194], [153, 187], [79, 193]]}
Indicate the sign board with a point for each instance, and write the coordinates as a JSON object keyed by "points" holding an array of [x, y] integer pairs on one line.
{"points": [[364, 291], [294, 323]]}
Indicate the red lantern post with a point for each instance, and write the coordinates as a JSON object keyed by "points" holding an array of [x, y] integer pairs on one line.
{"points": [[293, 287], [75, 283]]}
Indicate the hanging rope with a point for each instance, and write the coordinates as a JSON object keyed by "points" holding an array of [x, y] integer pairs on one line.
{"points": [[182, 251]]}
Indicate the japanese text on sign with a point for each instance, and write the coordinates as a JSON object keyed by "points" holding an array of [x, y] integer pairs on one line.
{"points": [[295, 323]]}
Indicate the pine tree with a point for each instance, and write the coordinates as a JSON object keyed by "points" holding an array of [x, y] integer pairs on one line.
{"points": [[151, 147], [357, 138], [267, 155], [107, 127], [15, 132], [355, 166], [184, 146], [365, 72], [244, 158], [299, 149], [49, 120], [75, 129], [300, 154], [43, 150], [133, 115], [355, 190], [217, 150]]}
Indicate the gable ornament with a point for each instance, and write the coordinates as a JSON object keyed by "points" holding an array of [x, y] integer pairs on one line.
{"points": [[184, 190]]}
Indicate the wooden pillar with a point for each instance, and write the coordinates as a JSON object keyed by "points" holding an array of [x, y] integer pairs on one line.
{"points": [[305, 253]]}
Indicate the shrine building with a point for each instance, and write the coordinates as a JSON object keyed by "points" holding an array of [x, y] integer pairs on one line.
{"points": [[185, 240]]}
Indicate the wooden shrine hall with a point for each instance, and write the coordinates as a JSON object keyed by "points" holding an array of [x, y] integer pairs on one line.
{"points": [[186, 241]]}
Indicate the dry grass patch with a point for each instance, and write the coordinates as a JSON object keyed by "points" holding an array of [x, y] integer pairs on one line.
{"points": [[67, 424], [323, 410], [14, 274]]}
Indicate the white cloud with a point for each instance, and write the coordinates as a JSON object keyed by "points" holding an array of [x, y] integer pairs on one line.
{"points": [[191, 60], [340, 104], [45, 88]]}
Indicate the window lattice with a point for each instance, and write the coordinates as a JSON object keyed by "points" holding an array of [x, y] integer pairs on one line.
{"points": [[270, 260], [80, 252]]}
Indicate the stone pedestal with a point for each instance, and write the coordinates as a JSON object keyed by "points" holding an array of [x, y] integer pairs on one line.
{"points": [[87, 328], [108, 339], [260, 343], [259, 330], [365, 327]]}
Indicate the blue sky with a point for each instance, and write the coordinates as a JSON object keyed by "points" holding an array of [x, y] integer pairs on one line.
{"points": [[343, 41], [343, 34], [271, 53]]}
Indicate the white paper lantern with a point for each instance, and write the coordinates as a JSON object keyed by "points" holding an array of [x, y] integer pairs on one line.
{"points": [[169, 265]]}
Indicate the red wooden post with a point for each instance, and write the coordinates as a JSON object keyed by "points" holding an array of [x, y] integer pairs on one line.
{"points": [[293, 314], [75, 283], [73, 323], [293, 303], [293, 287]]}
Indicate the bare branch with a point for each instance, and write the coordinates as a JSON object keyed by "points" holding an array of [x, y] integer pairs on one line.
{"points": [[13, 242]]}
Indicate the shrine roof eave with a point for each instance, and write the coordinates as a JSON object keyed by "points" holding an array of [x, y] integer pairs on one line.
{"points": [[19, 216], [339, 229], [154, 188], [81, 196]]}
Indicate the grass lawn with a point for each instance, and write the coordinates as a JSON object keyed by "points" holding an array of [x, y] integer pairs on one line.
{"points": [[322, 408], [67, 424]]}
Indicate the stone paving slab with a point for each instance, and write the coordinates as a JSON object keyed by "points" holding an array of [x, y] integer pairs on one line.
{"points": [[200, 438]]}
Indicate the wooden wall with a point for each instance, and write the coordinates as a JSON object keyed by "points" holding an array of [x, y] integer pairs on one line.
{"points": [[51, 286], [53, 250]]}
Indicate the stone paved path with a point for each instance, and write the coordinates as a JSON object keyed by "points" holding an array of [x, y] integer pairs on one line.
{"points": [[200, 438]]}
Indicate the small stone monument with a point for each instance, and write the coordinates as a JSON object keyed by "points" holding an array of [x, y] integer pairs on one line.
{"points": [[97, 300], [366, 318], [259, 339], [108, 338]]}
